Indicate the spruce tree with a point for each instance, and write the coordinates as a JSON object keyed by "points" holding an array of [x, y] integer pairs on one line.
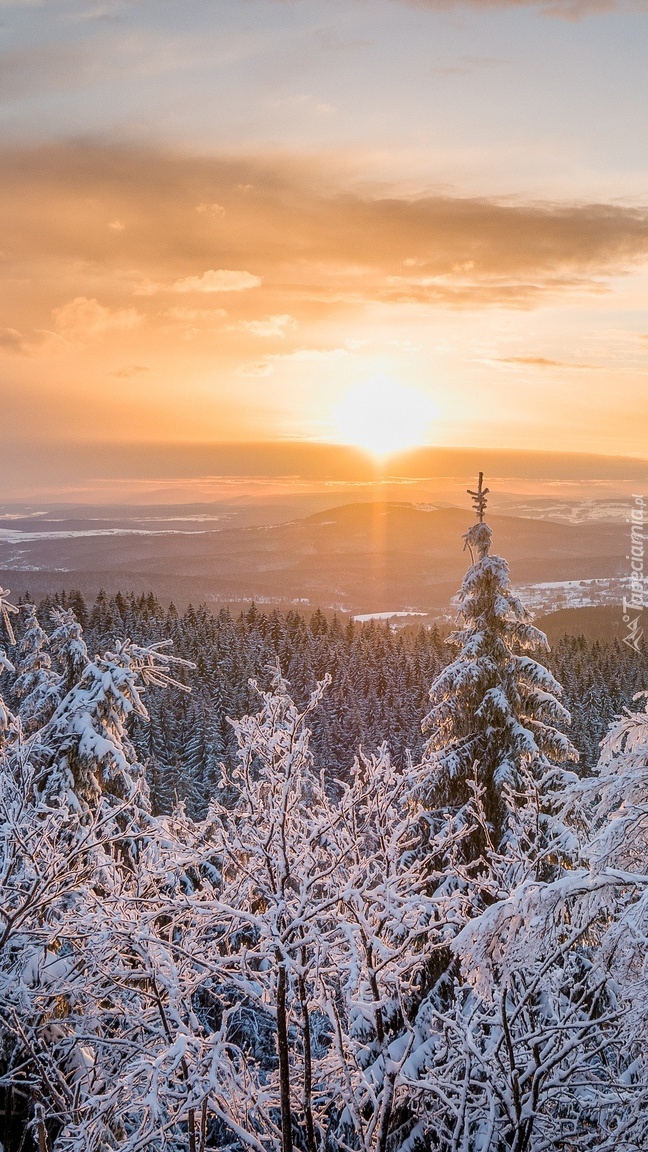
{"points": [[91, 752], [36, 683], [69, 647], [495, 710]]}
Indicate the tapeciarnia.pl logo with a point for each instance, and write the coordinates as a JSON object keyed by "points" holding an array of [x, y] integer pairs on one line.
{"points": [[633, 605]]}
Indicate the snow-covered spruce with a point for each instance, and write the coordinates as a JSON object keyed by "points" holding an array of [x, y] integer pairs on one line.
{"points": [[498, 709], [69, 648], [36, 683], [90, 748]]}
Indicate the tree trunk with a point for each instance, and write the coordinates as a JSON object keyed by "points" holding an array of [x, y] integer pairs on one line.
{"points": [[41, 1130], [8, 1117], [308, 1068], [284, 1062], [203, 1126], [386, 1112]]}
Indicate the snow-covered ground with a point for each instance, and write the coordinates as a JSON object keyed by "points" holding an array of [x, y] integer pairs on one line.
{"points": [[603, 511], [550, 596], [365, 616], [10, 536]]}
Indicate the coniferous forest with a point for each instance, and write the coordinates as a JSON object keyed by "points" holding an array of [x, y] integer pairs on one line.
{"points": [[275, 883], [380, 683]]}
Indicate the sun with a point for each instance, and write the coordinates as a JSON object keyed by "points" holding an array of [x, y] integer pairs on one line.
{"points": [[383, 416]]}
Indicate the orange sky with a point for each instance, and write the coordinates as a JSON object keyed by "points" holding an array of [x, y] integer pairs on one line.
{"points": [[164, 280]]}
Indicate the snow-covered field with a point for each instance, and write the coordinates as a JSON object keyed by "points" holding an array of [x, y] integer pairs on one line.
{"points": [[552, 595], [364, 617]]}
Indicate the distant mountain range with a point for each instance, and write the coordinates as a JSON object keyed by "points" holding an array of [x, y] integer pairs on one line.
{"points": [[358, 558]]}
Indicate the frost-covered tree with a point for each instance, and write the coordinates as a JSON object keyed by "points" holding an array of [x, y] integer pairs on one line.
{"points": [[7, 610], [618, 795], [277, 843], [529, 1057], [96, 983], [542, 1044], [318, 927], [616, 853], [91, 754], [8, 722], [48, 857], [156, 961], [497, 708], [35, 684], [292, 973], [392, 917], [517, 1015], [69, 647], [85, 928]]}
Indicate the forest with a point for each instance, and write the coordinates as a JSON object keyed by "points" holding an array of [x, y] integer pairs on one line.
{"points": [[380, 682], [302, 885]]}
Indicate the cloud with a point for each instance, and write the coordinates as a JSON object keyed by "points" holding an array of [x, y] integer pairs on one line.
{"points": [[306, 242], [212, 209], [266, 366], [273, 327], [215, 280], [257, 368], [542, 362], [83, 318], [566, 9], [220, 280], [12, 341]]}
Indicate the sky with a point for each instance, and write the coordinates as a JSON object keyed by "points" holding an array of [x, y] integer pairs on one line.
{"points": [[287, 220]]}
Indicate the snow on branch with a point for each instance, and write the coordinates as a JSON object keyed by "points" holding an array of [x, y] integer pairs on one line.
{"points": [[7, 609]]}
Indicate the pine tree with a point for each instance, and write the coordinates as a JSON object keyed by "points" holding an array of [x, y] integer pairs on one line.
{"points": [[69, 647], [203, 752], [494, 707], [91, 753], [36, 683]]}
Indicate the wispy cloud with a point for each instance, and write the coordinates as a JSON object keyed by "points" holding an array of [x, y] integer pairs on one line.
{"points": [[272, 327], [543, 362], [303, 243], [219, 280], [12, 341], [83, 318], [314, 356], [214, 280]]}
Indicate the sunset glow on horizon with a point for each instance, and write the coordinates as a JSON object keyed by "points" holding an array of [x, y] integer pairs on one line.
{"points": [[220, 221], [384, 417]]}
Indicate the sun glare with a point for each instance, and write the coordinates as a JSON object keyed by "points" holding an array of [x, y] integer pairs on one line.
{"points": [[383, 416]]}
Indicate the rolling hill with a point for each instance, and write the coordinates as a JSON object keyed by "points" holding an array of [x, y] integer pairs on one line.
{"points": [[361, 557]]}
